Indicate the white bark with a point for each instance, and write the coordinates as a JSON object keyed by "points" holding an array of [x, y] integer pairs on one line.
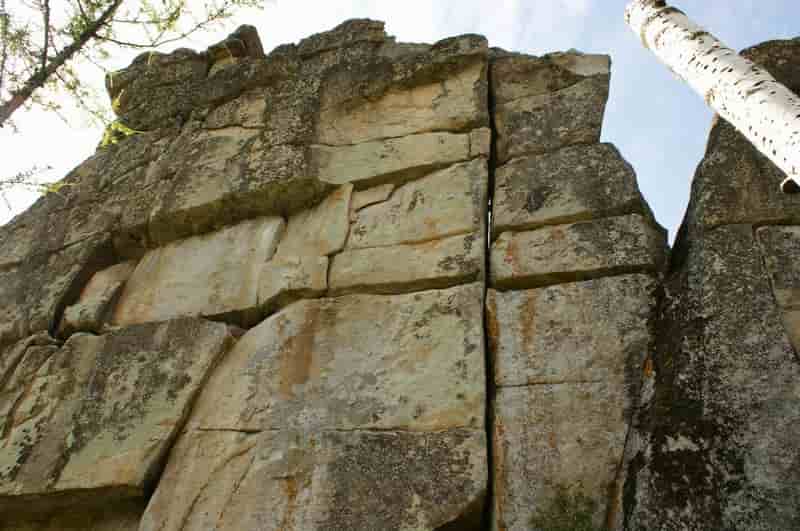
{"points": [[743, 93]]}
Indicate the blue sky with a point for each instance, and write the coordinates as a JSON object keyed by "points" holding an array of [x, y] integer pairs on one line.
{"points": [[659, 125]]}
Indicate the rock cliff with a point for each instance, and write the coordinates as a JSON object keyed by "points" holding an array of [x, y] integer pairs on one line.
{"points": [[356, 284]]}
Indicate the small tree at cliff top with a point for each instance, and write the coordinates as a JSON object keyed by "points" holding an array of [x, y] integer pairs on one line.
{"points": [[46, 44]]}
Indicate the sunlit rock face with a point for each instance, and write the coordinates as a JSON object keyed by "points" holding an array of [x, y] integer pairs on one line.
{"points": [[356, 284]]}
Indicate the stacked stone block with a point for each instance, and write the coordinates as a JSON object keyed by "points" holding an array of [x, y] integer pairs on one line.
{"points": [[574, 265], [277, 321]]}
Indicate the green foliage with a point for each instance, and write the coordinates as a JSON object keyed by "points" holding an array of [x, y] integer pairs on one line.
{"points": [[570, 510], [116, 131], [44, 58]]}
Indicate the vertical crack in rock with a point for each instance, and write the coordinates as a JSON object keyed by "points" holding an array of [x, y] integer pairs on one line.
{"points": [[486, 521]]}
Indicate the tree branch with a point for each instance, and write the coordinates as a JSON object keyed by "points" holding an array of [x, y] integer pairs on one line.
{"points": [[4, 23], [46, 46], [40, 77]]}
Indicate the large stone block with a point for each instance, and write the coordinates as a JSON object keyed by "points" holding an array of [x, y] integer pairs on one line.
{"points": [[406, 362], [389, 160], [598, 330], [552, 439], [572, 184], [333, 480], [445, 203], [99, 414], [455, 102], [212, 275], [544, 104], [360, 412], [157, 87], [578, 251], [719, 432], [219, 177], [415, 267]]}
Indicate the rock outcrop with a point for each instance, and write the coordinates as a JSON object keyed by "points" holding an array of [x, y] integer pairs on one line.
{"points": [[355, 284], [716, 441], [574, 270]]}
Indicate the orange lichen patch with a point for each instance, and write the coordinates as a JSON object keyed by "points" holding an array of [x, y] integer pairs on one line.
{"points": [[291, 503], [297, 355], [552, 440], [647, 370], [529, 324], [492, 324], [499, 475]]}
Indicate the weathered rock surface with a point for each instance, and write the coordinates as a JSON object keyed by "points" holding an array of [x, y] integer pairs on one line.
{"points": [[411, 362], [216, 274], [33, 293], [371, 163], [400, 268], [578, 251], [98, 414], [720, 430], [444, 203], [546, 103], [449, 104], [589, 331], [332, 480], [96, 300], [567, 362], [360, 412], [572, 184], [715, 446], [333, 196], [556, 436], [732, 165], [779, 248]]}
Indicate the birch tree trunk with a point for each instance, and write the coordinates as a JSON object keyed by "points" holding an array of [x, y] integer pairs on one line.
{"points": [[743, 93]]}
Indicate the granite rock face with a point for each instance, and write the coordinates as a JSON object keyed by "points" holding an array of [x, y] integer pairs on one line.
{"points": [[96, 416], [356, 284], [357, 400], [574, 266], [715, 444], [331, 198]]}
